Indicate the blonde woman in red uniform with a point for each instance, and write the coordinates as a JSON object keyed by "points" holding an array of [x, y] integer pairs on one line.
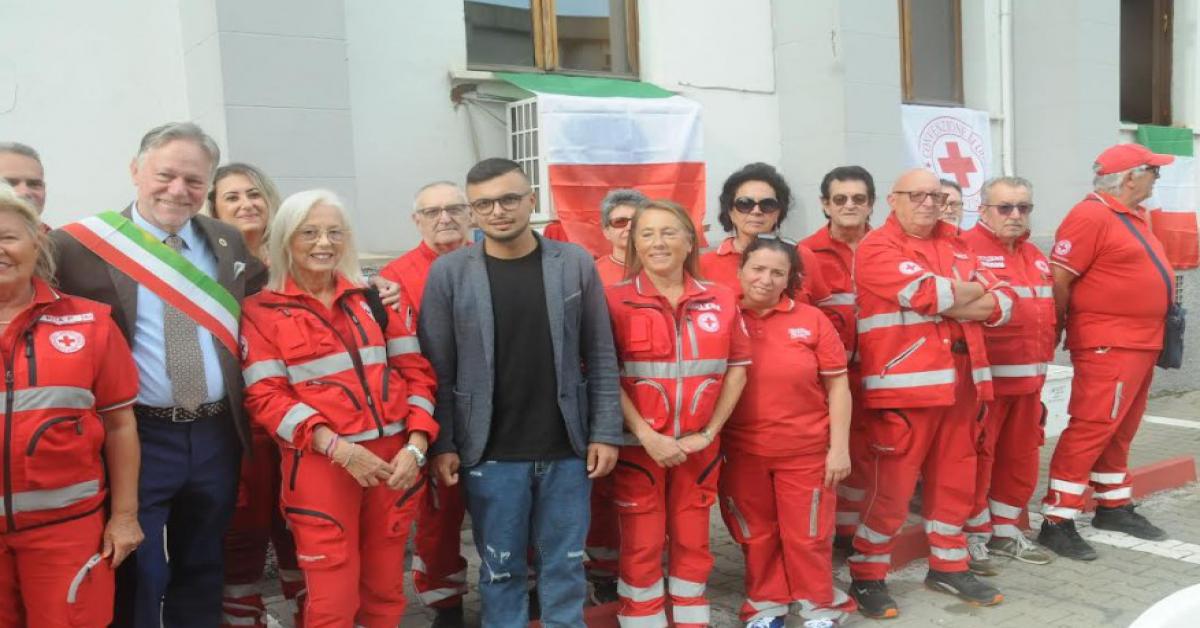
{"points": [[683, 352], [787, 446]]}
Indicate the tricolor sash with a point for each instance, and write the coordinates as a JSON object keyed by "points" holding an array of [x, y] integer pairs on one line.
{"points": [[138, 254]]}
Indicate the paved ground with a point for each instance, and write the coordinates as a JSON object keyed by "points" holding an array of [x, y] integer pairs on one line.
{"points": [[1129, 577]]}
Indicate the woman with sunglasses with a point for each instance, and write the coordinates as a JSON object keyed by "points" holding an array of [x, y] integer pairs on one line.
{"points": [[616, 212], [786, 446], [755, 200], [683, 351]]}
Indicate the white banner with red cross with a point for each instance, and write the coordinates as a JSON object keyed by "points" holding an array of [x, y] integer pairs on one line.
{"points": [[955, 143]]}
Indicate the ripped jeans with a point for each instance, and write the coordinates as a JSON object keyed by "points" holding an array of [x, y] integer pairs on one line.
{"points": [[513, 504]]}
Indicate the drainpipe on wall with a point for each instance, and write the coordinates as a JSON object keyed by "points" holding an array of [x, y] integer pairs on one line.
{"points": [[1006, 86]]}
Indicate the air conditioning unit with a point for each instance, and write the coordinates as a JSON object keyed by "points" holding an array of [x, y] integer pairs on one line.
{"points": [[525, 148]]}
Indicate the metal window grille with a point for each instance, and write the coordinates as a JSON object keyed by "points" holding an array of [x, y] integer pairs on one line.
{"points": [[525, 148]]}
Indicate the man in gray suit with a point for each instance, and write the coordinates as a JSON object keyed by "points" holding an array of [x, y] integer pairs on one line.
{"points": [[172, 278], [528, 400]]}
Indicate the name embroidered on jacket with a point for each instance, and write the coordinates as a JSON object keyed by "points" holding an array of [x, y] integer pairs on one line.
{"points": [[70, 319]]}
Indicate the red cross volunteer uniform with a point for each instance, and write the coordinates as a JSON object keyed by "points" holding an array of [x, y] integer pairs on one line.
{"points": [[926, 377], [307, 365], [721, 265], [1114, 332], [65, 362], [1018, 352], [773, 497], [673, 363]]}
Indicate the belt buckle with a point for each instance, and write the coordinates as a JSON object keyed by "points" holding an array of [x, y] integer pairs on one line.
{"points": [[177, 411]]}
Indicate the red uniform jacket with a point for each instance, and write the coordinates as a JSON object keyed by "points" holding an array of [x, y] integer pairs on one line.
{"points": [[306, 365], [65, 362], [836, 260], [410, 270], [903, 284], [1019, 351], [673, 362], [784, 408], [721, 265]]}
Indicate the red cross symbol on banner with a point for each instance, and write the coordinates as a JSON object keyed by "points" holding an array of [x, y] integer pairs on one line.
{"points": [[957, 164]]}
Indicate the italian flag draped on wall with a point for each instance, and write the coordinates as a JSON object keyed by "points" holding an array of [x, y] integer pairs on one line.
{"points": [[1176, 197], [600, 134]]}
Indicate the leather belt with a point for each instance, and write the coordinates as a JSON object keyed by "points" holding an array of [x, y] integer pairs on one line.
{"points": [[182, 415], [959, 346]]}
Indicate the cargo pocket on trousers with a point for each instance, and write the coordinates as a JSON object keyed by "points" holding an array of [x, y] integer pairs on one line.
{"points": [[320, 539], [735, 521], [90, 594], [404, 509], [889, 433], [634, 487], [1096, 390]]}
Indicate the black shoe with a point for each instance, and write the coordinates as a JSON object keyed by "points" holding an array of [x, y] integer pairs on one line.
{"points": [[1124, 519], [965, 585], [450, 617], [844, 543], [873, 599], [604, 591], [1062, 539]]}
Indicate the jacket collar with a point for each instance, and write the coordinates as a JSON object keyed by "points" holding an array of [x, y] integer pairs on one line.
{"points": [[940, 230], [692, 287], [987, 231], [1111, 202], [784, 305]]}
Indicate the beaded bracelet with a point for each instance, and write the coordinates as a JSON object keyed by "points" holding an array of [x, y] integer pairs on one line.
{"points": [[330, 447]]}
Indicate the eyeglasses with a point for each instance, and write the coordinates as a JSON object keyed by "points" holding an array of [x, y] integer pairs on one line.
{"points": [[841, 199], [1151, 169], [312, 234], [776, 236], [1007, 208], [918, 197], [619, 223], [511, 201], [457, 210], [745, 204], [954, 204]]}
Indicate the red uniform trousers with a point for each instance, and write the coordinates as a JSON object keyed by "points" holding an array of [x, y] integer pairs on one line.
{"points": [[939, 444], [53, 576], [778, 510], [257, 520], [350, 540], [656, 504], [604, 534], [852, 490], [1013, 430], [439, 570], [1108, 398]]}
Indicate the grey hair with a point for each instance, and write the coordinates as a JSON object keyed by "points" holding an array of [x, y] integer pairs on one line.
{"points": [[621, 196], [1111, 183], [160, 136], [1012, 182], [291, 214], [438, 184], [17, 148]]}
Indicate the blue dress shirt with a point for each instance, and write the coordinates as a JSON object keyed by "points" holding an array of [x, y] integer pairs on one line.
{"points": [[149, 349]]}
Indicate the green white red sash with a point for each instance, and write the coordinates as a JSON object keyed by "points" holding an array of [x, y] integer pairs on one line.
{"points": [[138, 254]]}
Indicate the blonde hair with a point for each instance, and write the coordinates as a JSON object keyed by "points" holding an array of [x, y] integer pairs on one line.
{"points": [[9, 202], [292, 213], [258, 179], [691, 264]]}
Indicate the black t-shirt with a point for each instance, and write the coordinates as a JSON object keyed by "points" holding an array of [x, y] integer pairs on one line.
{"points": [[526, 421]]}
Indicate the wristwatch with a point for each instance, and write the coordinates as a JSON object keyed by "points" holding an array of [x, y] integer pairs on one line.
{"points": [[417, 453]]}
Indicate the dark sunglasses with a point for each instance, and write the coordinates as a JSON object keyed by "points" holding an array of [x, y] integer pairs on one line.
{"points": [[1007, 208], [619, 223], [841, 199], [745, 204]]}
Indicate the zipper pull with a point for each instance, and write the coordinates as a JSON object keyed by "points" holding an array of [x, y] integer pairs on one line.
{"points": [[28, 344], [79, 426]]}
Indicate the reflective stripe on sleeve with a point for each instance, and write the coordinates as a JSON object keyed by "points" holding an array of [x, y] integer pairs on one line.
{"points": [[403, 345], [51, 499], [838, 298], [257, 371], [908, 380], [945, 293], [421, 402], [1019, 370], [292, 419], [1006, 304], [1040, 292], [905, 295]]}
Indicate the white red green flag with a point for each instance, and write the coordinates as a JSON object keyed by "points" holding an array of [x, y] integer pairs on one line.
{"points": [[601, 134], [1176, 197]]}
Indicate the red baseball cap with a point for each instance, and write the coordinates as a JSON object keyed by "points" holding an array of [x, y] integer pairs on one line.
{"points": [[1124, 157]]}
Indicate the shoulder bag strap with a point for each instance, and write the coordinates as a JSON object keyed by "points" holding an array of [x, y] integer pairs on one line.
{"points": [[1162, 271]]}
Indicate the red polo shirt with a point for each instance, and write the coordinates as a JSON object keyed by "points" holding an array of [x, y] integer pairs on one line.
{"points": [[410, 270], [721, 265], [610, 271], [784, 409], [1118, 298]]}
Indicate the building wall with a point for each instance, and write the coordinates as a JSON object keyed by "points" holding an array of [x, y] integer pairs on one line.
{"points": [[81, 84]]}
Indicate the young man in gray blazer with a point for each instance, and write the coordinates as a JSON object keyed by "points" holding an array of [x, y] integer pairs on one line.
{"points": [[528, 399]]}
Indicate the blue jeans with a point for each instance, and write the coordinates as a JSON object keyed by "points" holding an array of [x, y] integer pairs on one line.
{"points": [[513, 504]]}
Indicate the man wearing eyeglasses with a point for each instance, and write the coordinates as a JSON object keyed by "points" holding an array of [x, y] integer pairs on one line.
{"points": [[847, 199], [952, 211], [511, 326], [922, 303], [1018, 352], [1112, 301], [443, 219]]}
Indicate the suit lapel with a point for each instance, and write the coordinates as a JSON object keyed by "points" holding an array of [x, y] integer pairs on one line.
{"points": [[482, 289], [220, 248], [552, 279]]}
